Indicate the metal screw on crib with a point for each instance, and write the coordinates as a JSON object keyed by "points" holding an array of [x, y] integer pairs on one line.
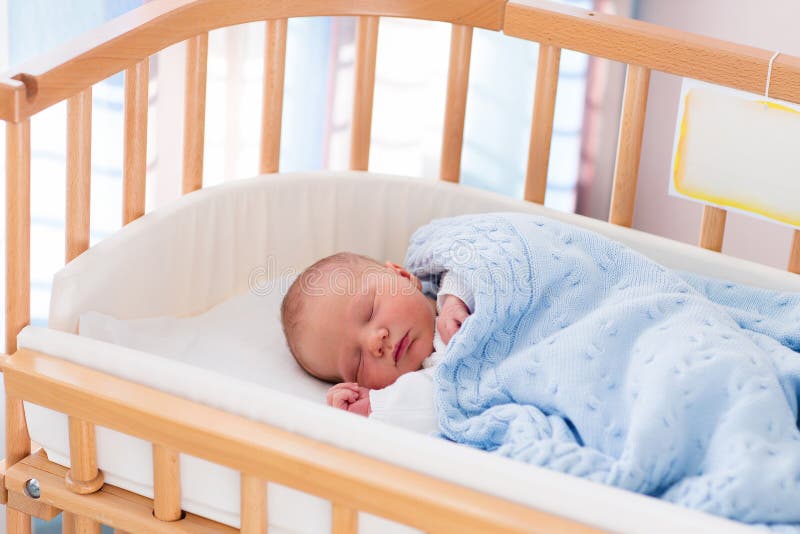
{"points": [[32, 489]]}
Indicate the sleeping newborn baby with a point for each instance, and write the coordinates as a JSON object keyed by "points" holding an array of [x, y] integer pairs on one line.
{"points": [[369, 327]]}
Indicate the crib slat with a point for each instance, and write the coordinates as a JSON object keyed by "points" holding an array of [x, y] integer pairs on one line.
{"points": [[272, 111], [794, 255], [18, 239], [456, 103], [712, 228], [79, 172], [17, 522], [166, 483], [544, 105], [254, 504], [18, 446], [68, 522], [629, 146], [344, 520], [366, 55], [135, 151], [18, 230], [194, 118], [83, 476], [85, 525]]}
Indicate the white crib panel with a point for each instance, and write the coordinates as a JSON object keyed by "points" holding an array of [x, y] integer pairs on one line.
{"points": [[206, 246]]}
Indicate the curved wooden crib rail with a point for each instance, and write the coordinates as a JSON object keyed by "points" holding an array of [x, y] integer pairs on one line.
{"points": [[126, 43]]}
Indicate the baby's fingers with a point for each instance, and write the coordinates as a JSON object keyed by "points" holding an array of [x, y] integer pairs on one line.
{"points": [[343, 398], [441, 327], [344, 386], [448, 330], [452, 326], [329, 396], [460, 314], [334, 390]]}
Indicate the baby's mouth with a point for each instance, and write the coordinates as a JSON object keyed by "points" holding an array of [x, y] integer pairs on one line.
{"points": [[401, 348]]}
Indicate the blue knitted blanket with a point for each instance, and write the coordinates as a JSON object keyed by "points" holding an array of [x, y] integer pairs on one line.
{"points": [[585, 357]]}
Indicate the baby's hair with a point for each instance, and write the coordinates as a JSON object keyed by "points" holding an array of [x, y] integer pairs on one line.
{"points": [[294, 301]]}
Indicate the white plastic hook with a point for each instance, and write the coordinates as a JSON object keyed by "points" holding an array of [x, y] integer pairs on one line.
{"points": [[769, 73]]}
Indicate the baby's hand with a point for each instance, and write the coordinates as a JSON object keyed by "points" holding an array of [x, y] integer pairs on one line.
{"points": [[351, 397], [453, 313]]}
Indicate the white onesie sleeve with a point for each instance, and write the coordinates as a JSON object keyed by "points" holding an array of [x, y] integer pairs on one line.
{"points": [[453, 284], [408, 402]]}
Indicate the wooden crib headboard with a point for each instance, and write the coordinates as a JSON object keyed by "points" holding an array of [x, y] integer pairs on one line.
{"points": [[126, 43]]}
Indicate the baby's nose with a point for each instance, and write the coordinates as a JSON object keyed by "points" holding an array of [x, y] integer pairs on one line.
{"points": [[380, 343]]}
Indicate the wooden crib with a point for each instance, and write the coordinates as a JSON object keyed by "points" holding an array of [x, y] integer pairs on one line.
{"points": [[261, 453]]}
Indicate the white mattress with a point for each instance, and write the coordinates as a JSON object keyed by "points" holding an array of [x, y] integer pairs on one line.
{"points": [[219, 242]]}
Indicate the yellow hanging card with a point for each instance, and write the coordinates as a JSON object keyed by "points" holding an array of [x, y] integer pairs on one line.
{"points": [[738, 151]]}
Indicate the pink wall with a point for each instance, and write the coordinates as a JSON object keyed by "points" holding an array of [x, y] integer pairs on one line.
{"points": [[769, 24]]}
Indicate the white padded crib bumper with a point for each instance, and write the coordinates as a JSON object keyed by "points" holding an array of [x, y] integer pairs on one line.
{"points": [[217, 242]]}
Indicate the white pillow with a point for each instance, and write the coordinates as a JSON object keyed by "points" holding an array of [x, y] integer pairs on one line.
{"points": [[240, 337]]}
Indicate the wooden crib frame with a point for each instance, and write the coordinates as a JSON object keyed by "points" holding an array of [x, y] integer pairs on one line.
{"points": [[262, 453]]}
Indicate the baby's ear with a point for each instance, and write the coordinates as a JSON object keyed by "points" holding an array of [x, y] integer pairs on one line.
{"points": [[399, 270]]}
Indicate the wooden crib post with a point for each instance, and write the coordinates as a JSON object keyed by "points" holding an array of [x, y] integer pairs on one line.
{"points": [[344, 520], [135, 149], [67, 522], [794, 255], [166, 483], [712, 228], [18, 242], [18, 446], [79, 169], [544, 105], [456, 103], [18, 230], [81, 525], [194, 117], [629, 146], [366, 55], [79, 172], [272, 110], [254, 504], [83, 476]]}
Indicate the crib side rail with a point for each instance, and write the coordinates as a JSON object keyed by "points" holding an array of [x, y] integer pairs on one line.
{"points": [[635, 42], [351, 481], [135, 36]]}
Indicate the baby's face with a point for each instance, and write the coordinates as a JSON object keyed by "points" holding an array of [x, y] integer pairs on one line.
{"points": [[367, 327]]}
